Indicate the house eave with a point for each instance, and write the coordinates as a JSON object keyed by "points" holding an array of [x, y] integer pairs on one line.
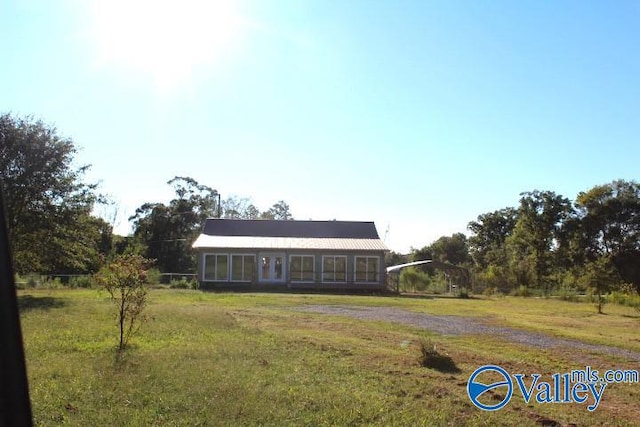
{"points": [[288, 243]]}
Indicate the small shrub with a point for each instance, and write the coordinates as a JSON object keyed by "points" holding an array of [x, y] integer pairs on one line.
{"points": [[489, 291], [627, 296], [437, 287], [413, 279], [81, 282], [180, 284], [567, 294], [617, 297], [431, 358], [464, 293], [154, 276], [184, 283], [55, 283], [33, 280], [525, 291], [124, 279]]}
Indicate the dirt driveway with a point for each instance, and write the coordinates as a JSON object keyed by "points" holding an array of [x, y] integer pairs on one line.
{"points": [[460, 325]]}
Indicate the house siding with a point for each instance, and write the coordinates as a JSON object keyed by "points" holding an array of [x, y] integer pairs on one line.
{"points": [[261, 238], [316, 284]]}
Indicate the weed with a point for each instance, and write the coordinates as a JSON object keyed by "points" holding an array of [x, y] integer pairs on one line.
{"points": [[431, 358], [183, 283]]}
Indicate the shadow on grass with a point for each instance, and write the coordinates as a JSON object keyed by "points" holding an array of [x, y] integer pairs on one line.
{"points": [[29, 302], [631, 316], [435, 296], [441, 363], [415, 296], [431, 358]]}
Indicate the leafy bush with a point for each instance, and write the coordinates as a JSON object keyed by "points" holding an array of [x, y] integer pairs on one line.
{"points": [[183, 283], [81, 282], [55, 283], [627, 295], [412, 279], [33, 280], [154, 276], [438, 284], [568, 294], [493, 277], [522, 291]]}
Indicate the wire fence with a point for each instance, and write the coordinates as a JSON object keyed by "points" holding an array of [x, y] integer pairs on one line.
{"points": [[85, 280], [167, 278]]}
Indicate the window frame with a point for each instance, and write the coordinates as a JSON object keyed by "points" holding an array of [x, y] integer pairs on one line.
{"points": [[346, 269], [243, 280], [215, 256], [366, 269], [302, 256]]}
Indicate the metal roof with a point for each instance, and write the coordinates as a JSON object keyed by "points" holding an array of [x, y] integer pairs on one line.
{"points": [[278, 228], [409, 264], [260, 242]]}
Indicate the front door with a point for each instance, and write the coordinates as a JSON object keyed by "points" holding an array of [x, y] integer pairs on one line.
{"points": [[272, 268]]}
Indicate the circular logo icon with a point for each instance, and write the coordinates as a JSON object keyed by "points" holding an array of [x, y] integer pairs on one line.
{"points": [[475, 388]]}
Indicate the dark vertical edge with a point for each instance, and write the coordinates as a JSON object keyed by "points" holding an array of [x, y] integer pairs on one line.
{"points": [[15, 407]]}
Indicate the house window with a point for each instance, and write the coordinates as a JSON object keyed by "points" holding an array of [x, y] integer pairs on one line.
{"points": [[242, 267], [334, 268], [216, 267], [302, 268], [367, 269]]}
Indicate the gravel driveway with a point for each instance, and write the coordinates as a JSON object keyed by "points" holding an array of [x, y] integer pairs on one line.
{"points": [[460, 325]]}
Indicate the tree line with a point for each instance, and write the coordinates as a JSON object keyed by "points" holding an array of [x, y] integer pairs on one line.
{"points": [[546, 241], [165, 232], [50, 209], [549, 243]]}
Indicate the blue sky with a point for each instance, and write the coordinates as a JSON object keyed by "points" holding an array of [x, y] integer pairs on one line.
{"points": [[418, 115]]}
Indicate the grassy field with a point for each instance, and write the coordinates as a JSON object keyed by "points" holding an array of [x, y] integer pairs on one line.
{"points": [[250, 359]]}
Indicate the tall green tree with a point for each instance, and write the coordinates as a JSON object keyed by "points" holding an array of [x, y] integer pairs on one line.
{"points": [[280, 211], [168, 231], [48, 204], [395, 258], [490, 232], [451, 249], [239, 208], [609, 226], [448, 249], [535, 235]]}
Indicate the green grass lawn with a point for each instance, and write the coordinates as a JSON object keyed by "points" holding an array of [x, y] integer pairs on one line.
{"points": [[249, 359]]}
